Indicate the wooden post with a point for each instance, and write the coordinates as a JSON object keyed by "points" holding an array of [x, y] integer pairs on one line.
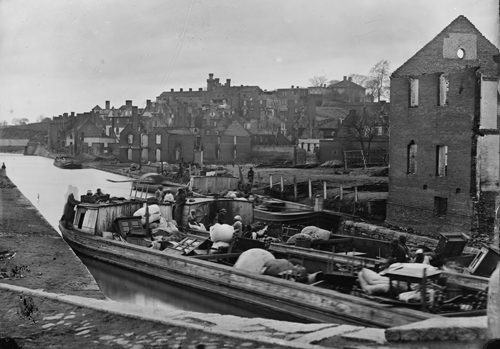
{"points": [[295, 188], [282, 184], [146, 215], [355, 194], [493, 308], [270, 181], [341, 192], [324, 190], [310, 189]]}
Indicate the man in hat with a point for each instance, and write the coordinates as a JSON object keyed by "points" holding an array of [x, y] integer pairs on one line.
{"points": [[420, 257], [193, 222], [238, 226], [159, 193], [180, 200], [168, 197]]}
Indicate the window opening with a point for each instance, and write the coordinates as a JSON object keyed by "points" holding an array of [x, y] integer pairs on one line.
{"points": [[413, 92], [412, 158], [444, 86], [441, 160], [440, 206]]}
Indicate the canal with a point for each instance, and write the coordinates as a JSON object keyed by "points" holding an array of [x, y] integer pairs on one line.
{"points": [[47, 187]]}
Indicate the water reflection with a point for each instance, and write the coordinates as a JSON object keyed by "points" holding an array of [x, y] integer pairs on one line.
{"points": [[164, 296], [47, 186]]}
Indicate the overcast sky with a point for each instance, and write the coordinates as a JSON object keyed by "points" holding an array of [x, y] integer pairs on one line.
{"points": [[63, 55]]}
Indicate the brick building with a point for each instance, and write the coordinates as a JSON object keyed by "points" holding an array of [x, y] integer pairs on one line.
{"points": [[444, 135]]}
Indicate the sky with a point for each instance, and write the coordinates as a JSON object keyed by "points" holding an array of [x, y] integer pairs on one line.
{"points": [[60, 56]]}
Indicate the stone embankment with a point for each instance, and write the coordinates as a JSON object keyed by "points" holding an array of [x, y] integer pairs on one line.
{"points": [[49, 299]]}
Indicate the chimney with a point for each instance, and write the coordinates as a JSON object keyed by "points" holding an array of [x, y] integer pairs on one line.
{"points": [[200, 89], [180, 89], [65, 115], [107, 105], [210, 76], [148, 103], [128, 103], [171, 90], [217, 80], [345, 78], [72, 114], [350, 78], [190, 89], [135, 118], [228, 82]]}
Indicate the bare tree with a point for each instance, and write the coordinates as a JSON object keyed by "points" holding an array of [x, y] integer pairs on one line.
{"points": [[364, 126], [378, 82], [21, 121], [318, 81], [359, 79]]}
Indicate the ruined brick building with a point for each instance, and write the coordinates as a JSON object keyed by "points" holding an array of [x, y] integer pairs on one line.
{"points": [[444, 135]]}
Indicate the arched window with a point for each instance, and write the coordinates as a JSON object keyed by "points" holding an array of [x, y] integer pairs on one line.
{"points": [[129, 154], [158, 155], [411, 158], [130, 138]]}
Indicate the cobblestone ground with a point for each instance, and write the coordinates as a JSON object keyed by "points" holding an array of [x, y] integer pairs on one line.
{"points": [[33, 322]]}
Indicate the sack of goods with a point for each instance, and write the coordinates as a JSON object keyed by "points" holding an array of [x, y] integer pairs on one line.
{"points": [[316, 233], [221, 232], [154, 213], [253, 260]]}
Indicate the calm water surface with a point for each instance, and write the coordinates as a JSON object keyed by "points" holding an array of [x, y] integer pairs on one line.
{"points": [[47, 187]]}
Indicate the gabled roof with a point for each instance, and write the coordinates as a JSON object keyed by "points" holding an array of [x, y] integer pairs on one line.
{"points": [[236, 129], [347, 84], [429, 59]]}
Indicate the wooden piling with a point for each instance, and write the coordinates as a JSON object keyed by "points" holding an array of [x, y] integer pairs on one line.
{"points": [[341, 192], [270, 181], [310, 188], [282, 185], [324, 190], [295, 188], [493, 308]]}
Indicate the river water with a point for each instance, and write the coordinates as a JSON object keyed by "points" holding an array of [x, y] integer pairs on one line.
{"points": [[47, 187]]}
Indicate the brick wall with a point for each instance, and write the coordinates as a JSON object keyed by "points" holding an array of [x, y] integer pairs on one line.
{"points": [[411, 200]]}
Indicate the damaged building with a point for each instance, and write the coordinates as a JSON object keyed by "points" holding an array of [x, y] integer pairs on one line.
{"points": [[444, 135]]}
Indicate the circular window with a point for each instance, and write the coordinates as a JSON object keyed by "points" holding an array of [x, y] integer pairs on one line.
{"points": [[460, 53]]}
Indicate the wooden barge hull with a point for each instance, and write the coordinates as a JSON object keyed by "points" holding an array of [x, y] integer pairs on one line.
{"points": [[305, 302], [320, 219]]}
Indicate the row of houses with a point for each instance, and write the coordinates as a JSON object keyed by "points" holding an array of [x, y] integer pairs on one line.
{"points": [[222, 122]]}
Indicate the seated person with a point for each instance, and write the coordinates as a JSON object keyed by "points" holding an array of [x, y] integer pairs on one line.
{"points": [[193, 223], [421, 257], [168, 197], [398, 253], [260, 233], [238, 226]]}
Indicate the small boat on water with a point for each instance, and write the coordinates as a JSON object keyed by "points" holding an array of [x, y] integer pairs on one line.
{"points": [[67, 162], [150, 182], [89, 234]]}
